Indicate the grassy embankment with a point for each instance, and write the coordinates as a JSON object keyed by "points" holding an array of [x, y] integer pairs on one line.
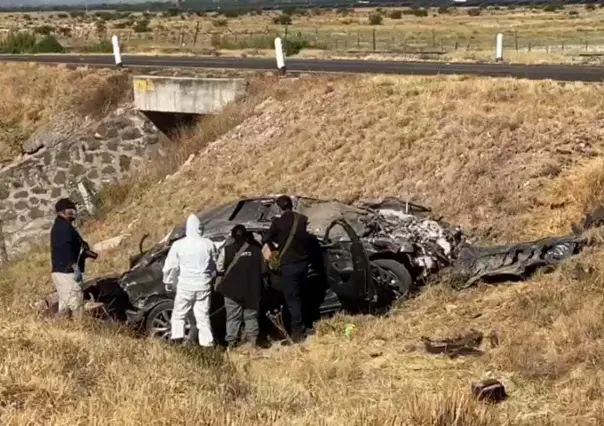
{"points": [[506, 159]]}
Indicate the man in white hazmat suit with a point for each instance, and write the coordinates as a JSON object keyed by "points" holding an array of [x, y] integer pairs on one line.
{"points": [[191, 266]]}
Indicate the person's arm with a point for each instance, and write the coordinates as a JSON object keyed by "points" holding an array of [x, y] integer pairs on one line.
{"points": [[271, 235], [220, 266], [170, 268]]}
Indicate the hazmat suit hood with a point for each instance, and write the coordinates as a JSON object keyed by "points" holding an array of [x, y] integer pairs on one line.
{"points": [[193, 228]]}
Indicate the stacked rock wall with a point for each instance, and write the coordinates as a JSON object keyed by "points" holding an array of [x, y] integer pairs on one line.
{"points": [[95, 155]]}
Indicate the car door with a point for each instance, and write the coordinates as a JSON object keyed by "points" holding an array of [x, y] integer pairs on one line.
{"points": [[346, 262]]}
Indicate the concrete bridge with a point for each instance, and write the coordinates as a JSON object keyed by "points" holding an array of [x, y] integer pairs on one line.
{"points": [[186, 95]]}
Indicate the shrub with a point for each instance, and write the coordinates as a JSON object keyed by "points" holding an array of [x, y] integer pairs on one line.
{"points": [[171, 13], [105, 16], [396, 14], [590, 6], [76, 14], [344, 11], [27, 17], [573, 13], [49, 44], [17, 43], [62, 15], [233, 13], [282, 19], [474, 12], [101, 29], [103, 46], [221, 22], [375, 19], [422, 13], [443, 10], [293, 47], [142, 27], [552, 8], [65, 31], [44, 30]]}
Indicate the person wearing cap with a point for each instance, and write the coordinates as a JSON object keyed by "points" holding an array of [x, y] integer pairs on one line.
{"points": [[67, 250]]}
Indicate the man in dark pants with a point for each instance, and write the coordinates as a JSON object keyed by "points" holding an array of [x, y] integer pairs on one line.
{"points": [[294, 260], [241, 267], [68, 255]]}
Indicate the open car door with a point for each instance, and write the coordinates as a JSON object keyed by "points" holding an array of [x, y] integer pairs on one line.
{"points": [[347, 266]]}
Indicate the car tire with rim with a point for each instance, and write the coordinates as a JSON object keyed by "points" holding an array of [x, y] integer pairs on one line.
{"points": [[158, 322], [398, 276]]}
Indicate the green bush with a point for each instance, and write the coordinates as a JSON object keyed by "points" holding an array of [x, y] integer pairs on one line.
{"points": [[44, 30], [552, 8], [282, 19], [474, 12], [76, 14], [293, 47], [103, 46], [422, 13], [65, 31], [106, 16], [375, 19], [232, 13], [17, 43], [590, 6], [443, 10], [49, 44], [396, 14], [142, 27], [62, 15], [221, 22]]}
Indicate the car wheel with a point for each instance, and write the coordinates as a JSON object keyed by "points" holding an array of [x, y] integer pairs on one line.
{"points": [[395, 275], [159, 322]]}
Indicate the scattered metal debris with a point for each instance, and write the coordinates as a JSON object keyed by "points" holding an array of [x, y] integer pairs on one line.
{"points": [[489, 390], [512, 263], [467, 344]]}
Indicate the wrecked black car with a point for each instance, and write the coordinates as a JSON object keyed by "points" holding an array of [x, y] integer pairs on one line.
{"points": [[365, 257]]}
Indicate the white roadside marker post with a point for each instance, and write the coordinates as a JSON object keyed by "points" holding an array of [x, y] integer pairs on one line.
{"points": [[279, 55], [116, 51], [499, 48]]}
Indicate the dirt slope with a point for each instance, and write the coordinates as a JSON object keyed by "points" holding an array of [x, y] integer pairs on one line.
{"points": [[32, 95], [508, 159]]}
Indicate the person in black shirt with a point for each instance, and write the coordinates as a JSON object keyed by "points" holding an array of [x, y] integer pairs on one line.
{"points": [[68, 256], [294, 261]]}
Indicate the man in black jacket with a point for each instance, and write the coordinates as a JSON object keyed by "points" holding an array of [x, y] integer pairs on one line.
{"points": [[241, 266], [294, 260], [68, 256]]}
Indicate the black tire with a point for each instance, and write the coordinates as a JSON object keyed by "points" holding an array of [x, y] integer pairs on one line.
{"points": [[401, 280], [158, 321]]}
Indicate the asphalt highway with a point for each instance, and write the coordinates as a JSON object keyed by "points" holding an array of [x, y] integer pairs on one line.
{"points": [[533, 72]]}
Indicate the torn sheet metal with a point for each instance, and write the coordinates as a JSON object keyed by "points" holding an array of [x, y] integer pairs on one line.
{"points": [[512, 262]]}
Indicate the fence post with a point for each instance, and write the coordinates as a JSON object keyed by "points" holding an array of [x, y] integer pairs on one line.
{"points": [[196, 34], [433, 39], [374, 40], [3, 252], [516, 40], [358, 39]]}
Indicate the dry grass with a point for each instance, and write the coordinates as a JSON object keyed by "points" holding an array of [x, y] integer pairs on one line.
{"points": [[531, 35], [486, 153], [29, 103]]}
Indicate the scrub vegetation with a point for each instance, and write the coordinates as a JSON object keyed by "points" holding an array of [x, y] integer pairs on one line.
{"points": [[531, 34], [507, 159]]}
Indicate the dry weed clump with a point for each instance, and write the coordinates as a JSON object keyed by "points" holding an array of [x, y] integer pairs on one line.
{"points": [[33, 94], [493, 155]]}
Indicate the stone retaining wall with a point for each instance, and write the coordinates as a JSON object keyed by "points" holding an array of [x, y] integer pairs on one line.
{"points": [[97, 154]]}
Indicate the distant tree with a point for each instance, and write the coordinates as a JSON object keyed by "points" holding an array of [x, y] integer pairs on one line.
{"points": [[376, 19]]}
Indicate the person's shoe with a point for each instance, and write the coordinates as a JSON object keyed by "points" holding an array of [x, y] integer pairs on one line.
{"points": [[298, 337], [176, 342]]}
